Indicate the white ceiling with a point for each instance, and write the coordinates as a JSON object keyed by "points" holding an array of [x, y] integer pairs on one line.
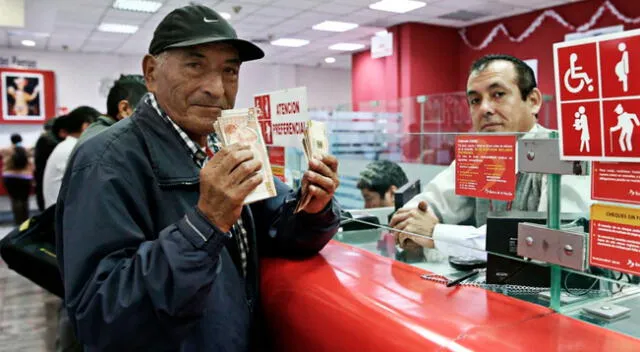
{"points": [[72, 24]]}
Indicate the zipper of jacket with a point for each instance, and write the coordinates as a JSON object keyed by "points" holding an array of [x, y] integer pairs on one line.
{"points": [[176, 184]]}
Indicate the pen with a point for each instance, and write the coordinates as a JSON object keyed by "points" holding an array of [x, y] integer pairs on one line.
{"points": [[464, 277]]}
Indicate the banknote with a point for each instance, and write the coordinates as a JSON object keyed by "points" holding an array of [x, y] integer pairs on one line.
{"points": [[241, 126], [316, 145]]}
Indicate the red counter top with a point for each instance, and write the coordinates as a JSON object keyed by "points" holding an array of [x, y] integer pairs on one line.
{"points": [[348, 299]]}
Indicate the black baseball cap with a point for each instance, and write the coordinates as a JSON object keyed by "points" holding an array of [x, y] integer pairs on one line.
{"points": [[197, 24]]}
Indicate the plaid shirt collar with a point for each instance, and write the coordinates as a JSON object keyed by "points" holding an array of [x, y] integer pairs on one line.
{"points": [[200, 157]]}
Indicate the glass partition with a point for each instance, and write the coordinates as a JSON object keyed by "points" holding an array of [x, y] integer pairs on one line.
{"points": [[419, 134]]}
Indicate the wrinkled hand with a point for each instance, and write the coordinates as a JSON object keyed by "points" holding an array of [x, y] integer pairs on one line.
{"points": [[416, 221], [319, 184], [225, 182]]}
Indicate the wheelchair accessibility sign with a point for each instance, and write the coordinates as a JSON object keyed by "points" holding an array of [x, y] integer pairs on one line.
{"points": [[598, 97]]}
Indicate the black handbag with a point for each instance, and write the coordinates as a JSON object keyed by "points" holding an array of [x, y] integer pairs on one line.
{"points": [[30, 250]]}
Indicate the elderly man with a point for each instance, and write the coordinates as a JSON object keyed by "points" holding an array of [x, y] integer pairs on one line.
{"points": [[156, 249], [502, 97]]}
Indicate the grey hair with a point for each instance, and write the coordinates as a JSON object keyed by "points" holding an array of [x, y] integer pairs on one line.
{"points": [[161, 58]]}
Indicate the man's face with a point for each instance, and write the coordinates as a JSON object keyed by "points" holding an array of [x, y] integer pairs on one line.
{"points": [[372, 199], [496, 103], [194, 84]]}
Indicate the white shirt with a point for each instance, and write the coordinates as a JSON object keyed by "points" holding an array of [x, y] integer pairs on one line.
{"points": [[460, 240], [54, 170]]}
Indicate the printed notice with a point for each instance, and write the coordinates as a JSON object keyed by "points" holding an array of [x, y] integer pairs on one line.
{"points": [[277, 160], [486, 166], [615, 238], [616, 182]]}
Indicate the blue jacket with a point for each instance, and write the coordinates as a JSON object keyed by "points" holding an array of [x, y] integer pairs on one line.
{"points": [[142, 269]]}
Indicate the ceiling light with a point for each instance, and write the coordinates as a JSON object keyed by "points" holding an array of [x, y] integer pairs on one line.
{"points": [[397, 6], [117, 28], [291, 42], [346, 46], [225, 15], [330, 60], [334, 26], [137, 5], [28, 42], [29, 34]]}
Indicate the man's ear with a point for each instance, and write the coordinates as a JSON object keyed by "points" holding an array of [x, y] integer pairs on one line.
{"points": [[149, 68], [390, 198], [124, 109], [535, 100]]}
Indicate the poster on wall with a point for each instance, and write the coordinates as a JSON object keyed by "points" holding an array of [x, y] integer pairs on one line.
{"points": [[598, 97], [284, 116], [27, 96]]}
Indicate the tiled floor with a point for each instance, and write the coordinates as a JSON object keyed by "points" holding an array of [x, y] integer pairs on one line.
{"points": [[28, 314]]}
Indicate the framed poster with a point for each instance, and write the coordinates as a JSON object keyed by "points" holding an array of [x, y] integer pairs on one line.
{"points": [[26, 96]]}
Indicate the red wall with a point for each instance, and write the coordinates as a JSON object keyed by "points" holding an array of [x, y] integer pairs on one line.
{"points": [[376, 79], [421, 64], [431, 59], [540, 44]]}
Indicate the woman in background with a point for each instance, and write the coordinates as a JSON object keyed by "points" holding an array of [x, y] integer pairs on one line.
{"points": [[17, 174]]}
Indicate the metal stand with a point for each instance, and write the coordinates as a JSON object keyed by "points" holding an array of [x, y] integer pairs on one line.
{"points": [[553, 210]]}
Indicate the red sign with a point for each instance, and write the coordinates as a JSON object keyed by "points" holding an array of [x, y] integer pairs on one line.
{"points": [[578, 72], [264, 103], [581, 134], [598, 97], [277, 160], [486, 166], [616, 182], [615, 238]]}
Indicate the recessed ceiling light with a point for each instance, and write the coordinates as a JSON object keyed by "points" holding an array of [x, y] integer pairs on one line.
{"points": [[29, 34], [137, 5], [330, 60], [334, 26], [291, 42], [28, 42], [117, 28], [346, 46], [397, 6], [225, 15]]}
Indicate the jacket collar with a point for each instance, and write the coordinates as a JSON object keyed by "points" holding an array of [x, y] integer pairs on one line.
{"points": [[171, 162]]}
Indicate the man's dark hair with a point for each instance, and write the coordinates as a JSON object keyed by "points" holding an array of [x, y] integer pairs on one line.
{"points": [[16, 138], [379, 175], [526, 80], [19, 159], [73, 121], [128, 87]]}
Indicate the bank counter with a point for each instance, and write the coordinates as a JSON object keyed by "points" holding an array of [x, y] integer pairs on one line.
{"points": [[352, 298]]}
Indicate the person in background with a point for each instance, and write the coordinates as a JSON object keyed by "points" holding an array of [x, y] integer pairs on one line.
{"points": [[17, 175], [43, 149], [378, 181], [503, 97], [121, 102], [156, 248], [71, 126]]}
